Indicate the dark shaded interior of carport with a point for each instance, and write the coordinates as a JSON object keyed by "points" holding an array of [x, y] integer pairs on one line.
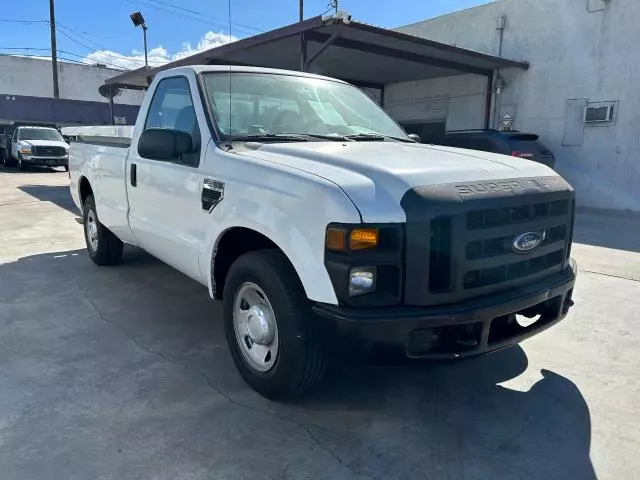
{"points": [[361, 54]]}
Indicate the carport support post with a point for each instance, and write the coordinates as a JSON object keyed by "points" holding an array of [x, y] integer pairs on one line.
{"points": [[111, 112], [303, 53], [488, 101]]}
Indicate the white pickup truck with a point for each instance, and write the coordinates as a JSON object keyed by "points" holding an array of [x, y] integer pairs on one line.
{"points": [[35, 145], [320, 224]]}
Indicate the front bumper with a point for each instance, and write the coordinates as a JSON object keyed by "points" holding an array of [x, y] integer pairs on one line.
{"points": [[49, 161], [470, 328]]}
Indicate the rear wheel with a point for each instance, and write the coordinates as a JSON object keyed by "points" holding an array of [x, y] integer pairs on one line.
{"points": [[268, 326], [103, 246], [8, 159]]}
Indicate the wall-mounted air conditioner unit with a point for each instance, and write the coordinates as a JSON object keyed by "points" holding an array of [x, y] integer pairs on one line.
{"points": [[598, 113]]}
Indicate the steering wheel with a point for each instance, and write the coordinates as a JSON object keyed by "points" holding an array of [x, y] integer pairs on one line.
{"points": [[287, 121]]}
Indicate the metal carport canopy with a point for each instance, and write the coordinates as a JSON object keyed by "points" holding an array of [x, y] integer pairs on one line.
{"points": [[359, 53]]}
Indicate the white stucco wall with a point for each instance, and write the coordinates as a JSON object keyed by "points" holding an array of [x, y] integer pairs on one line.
{"points": [[574, 54], [33, 77]]}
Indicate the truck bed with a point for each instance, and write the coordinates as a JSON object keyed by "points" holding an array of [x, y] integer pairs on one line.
{"points": [[105, 135], [105, 150]]}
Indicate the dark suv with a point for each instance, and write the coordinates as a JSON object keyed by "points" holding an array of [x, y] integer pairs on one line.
{"points": [[514, 143]]}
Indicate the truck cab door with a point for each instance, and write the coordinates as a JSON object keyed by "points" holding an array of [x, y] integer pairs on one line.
{"points": [[165, 195]]}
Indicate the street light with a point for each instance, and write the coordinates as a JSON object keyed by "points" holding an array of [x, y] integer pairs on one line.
{"points": [[138, 21]]}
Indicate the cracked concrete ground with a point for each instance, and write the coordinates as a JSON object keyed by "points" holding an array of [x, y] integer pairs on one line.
{"points": [[123, 373]]}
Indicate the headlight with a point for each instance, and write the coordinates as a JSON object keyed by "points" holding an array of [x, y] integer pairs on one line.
{"points": [[25, 150], [365, 263], [359, 239]]}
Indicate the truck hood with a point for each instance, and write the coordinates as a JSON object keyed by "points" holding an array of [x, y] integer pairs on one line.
{"points": [[43, 143], [376, 175]]}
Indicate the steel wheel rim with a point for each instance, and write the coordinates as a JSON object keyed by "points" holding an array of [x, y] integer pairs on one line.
{"points": [[92, 230], [255, 327]]}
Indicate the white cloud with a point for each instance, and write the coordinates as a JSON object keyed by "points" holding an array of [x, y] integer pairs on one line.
{"points": [[159, 55]]}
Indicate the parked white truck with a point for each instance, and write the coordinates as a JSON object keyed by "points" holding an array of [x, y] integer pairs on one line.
{"points": [[318, 222], [37, 145]]}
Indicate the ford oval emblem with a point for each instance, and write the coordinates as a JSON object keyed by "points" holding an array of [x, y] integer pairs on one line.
{"points": [[528, 241]]}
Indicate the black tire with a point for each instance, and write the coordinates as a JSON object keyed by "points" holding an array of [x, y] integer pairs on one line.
{"points": [[109, 247], [300, 363], [8, 160], [20, 165]]}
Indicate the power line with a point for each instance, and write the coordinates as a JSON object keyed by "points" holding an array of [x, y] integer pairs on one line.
{"points": [[208, 16], [11, 20], [118, 67], [79, 34], [33, 49], [92, 50], [117, 56], [173, 12], [71, 60], [176, 10], [24, 48]]}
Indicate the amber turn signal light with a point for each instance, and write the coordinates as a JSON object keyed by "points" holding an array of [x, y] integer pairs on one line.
{"points": [[336, 239], [361, 238]]}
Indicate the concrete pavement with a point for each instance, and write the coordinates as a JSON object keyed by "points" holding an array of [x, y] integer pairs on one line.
{"points": [[123, 372]]}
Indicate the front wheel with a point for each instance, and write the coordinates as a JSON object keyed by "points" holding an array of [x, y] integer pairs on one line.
{"points": [[22, 166], [268, 326], [103, 246]]}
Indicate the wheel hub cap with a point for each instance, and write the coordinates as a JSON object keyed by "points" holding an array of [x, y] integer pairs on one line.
{"points": [[255, 326], [92, 230], [259, 326]]}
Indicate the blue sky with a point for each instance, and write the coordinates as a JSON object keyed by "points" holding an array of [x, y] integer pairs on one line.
{"points": [[102, 31]]}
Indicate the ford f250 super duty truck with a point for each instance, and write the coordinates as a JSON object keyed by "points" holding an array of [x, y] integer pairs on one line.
{"points": [[318, 222], [35, 145]]}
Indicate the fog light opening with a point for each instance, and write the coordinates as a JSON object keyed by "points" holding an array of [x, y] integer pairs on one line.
{"points": [[362, 280]]}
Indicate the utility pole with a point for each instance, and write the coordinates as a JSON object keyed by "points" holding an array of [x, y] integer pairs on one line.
{"points": [[54, 49]]}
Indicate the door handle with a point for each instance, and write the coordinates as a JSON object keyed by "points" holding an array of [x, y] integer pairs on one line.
{"points": [[134, 176]]}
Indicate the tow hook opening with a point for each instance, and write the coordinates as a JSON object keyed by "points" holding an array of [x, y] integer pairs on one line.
{"points": [[460, 339], [451, 339], [516, 324]]}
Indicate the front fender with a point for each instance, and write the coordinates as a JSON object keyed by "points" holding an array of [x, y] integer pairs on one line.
{"points": [[296, 223]]}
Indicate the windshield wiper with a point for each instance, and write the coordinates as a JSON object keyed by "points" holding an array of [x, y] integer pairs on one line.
{"points": [[334, 137], [375, 137], [401, 139], [366, 137], [270, 137]]}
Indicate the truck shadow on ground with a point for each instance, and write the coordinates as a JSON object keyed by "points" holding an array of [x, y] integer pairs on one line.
{"points": [[57, 194], [146, 342]]}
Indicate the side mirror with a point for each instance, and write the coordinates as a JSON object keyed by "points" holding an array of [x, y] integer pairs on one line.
{"points": [[416, 138], [164, 144]]}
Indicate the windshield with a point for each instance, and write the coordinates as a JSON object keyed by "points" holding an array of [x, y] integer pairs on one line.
{"points": [[39, 134], [264, 104]]}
